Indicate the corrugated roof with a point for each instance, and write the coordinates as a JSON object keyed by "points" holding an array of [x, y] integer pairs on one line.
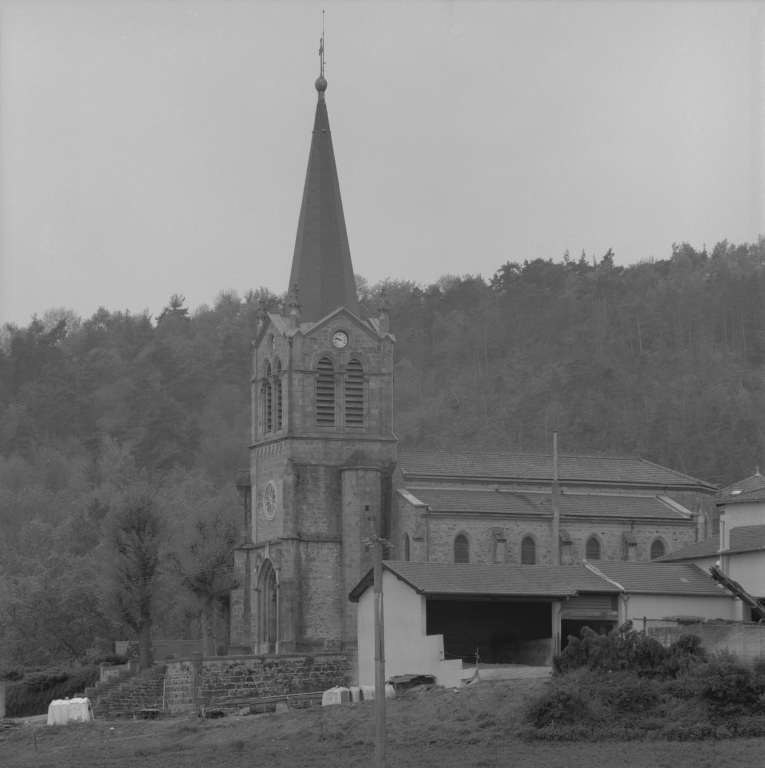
{"points": [[754, 483], [520, 503], [747, 538], [518, 466], [463, 579], [659, 578]]}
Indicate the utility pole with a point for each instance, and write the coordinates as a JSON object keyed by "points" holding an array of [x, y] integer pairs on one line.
{"points": [[555, 549], [377, 550]]}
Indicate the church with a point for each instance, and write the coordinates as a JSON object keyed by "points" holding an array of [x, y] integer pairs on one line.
{"points": [[326, 473]]}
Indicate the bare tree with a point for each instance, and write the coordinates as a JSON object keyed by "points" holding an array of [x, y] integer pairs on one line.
{"points": [[131, 541], [203, 559]]}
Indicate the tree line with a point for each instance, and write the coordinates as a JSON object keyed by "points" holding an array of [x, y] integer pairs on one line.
{"points": [[663, 359]]}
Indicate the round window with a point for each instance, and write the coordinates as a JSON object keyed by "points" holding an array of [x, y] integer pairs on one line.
{"points": [[269, 502]]}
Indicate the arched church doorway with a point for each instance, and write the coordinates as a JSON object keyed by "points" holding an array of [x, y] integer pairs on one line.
{"points": [[269, 608]]}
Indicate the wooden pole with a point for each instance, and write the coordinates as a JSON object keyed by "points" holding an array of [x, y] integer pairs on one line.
{"points": [[555, 549], [379, 659]]}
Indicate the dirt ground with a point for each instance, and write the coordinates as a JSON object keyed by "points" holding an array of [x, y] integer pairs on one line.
{"points": [[442, 729]]}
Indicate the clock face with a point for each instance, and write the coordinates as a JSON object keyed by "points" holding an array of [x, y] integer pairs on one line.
{"points": [[340, 339], [269, 502]]}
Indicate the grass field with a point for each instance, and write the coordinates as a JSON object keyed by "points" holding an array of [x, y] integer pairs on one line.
{"points": [[443, 729]]}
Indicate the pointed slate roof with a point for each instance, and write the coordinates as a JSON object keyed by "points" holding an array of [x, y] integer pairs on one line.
{"points": [[321, 265]]}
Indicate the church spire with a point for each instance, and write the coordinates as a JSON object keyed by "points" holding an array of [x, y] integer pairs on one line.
{"points": [[321, 264]]}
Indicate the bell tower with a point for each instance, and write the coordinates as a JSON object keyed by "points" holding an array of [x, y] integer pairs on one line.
{"points": [[322, 436]]}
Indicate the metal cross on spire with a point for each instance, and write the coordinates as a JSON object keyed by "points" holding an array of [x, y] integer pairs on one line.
{"points": [[321, 45]]}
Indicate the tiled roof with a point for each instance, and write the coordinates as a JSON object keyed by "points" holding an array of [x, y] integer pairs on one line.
{"points": [[520, 466], [519, 503], [496, 580], [754, 483], [756, 494], [659, 578], [747, 538]]}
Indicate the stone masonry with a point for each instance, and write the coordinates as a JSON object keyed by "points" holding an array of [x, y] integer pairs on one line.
{"points": [[194, 682]]}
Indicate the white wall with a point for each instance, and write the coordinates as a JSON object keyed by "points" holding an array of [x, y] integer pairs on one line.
{"points": [[745, 514], [662, 606], [748, 569], [408, 650]]}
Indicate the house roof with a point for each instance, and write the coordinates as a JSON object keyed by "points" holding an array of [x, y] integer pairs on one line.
{"points": [[321, 264], [747, 538], [471, 579], [538, 467], [524, 503], [753, 484], [659, 578]]}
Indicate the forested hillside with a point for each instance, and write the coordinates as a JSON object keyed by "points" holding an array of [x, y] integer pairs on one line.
{"points": [[661, 359]]}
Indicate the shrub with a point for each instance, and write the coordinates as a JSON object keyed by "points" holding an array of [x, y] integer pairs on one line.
{"points": [[627, 649], [559, 706], [32, 695], [635, 696], [731, 687]]}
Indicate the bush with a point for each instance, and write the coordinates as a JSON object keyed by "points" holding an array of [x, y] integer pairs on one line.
{"points": [[625, 649], [732, 687], [32, 695]]}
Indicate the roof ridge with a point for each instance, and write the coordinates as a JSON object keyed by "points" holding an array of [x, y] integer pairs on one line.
{"points": [[676, 471], [544, 455]]}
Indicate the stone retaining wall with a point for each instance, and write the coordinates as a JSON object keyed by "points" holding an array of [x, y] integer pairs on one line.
{"points": [[194, 682]]}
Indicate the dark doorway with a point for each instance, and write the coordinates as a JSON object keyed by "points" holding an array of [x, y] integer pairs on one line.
{"points": [[501, 632]]}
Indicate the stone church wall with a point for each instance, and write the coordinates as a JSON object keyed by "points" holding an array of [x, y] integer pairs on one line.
{"points": [[323, 600], [194, 682]]}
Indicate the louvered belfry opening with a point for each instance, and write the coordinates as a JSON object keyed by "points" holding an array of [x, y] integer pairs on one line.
{"points": [[269, 400], [354, 394], [325, 393], [278, 394]]}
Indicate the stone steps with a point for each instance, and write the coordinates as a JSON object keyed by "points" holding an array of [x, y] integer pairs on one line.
{"points": [[133, 690]]}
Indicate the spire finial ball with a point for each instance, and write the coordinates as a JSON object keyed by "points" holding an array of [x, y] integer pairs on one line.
{"points": [[321, 84]]}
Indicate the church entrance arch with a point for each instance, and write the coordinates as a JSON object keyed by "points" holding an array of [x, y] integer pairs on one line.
{"points": [[269, 608]]}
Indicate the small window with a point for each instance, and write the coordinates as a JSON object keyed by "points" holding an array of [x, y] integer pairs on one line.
{"points": [[406, 547], [528, 551], [268, 399], [657, 549], [593, 549], [325, 393], [278, 395], [354, 394], [461, 549]]}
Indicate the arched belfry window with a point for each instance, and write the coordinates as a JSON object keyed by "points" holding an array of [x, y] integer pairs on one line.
{"points": [[325, 393], [278, 394], [268, 400], [658, 549], [528, 551], [461, 549], [593, 549], [407, 551], [354, 394]]}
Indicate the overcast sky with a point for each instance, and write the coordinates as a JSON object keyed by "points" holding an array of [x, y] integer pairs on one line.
{"points": [[151, 148]]}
